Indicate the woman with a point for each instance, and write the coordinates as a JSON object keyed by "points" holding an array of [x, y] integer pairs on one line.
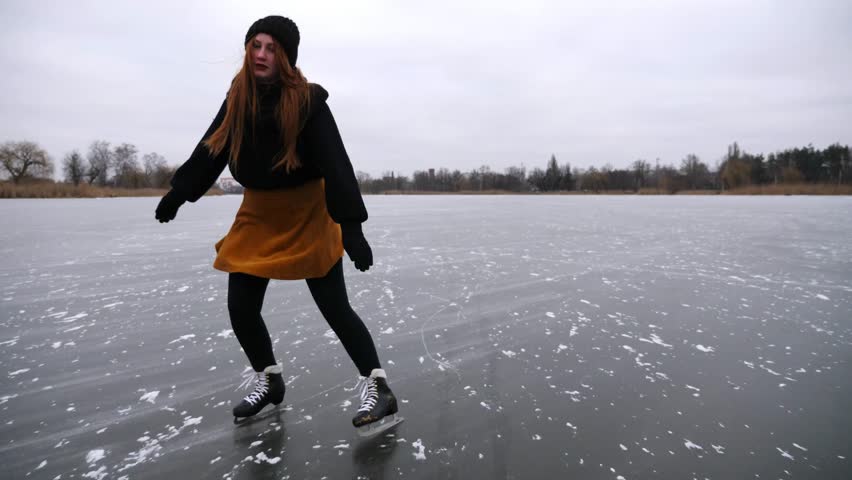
{"points": [[301, 209]]}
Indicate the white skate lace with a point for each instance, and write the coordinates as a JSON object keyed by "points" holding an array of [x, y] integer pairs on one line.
{"points": [[261, 386], [369, 394]]}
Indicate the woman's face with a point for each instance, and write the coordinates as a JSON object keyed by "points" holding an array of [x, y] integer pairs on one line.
{"points": [[263, 56]]}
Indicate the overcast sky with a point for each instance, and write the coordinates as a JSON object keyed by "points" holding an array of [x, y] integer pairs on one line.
{"points": [[452, 84]]}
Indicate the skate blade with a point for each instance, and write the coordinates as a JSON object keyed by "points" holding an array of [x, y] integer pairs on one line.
{"points": [[380, 426], [263, 414]]}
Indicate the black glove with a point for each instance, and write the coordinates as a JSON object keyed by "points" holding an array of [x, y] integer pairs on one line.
{"points": [[356, 246], [168, 207]]}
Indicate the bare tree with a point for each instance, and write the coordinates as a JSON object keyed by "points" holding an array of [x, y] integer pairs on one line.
{"points": [[364, 180], [734, 171], [734, 151], [641, 173], [157, 172], [536, 179], [516, 177], [126, 167], [362, 176], [73, 167], [25, 160], [422, 180], [566, 180], [485, 181], [595, 180], [694, 171], [669, 179], [100, 158], [518, 172]]}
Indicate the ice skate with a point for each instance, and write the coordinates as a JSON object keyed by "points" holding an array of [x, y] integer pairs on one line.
{"points": [[268, 388], [378, 411]]}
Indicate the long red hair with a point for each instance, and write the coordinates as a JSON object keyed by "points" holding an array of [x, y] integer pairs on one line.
{"points": [[242, 107]]}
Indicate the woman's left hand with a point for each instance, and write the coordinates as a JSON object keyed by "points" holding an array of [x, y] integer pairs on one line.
{"points": [[356, 246]]}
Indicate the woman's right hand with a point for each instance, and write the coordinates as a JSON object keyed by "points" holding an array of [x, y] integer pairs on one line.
{"points": [[356, 246], [168, 207]]}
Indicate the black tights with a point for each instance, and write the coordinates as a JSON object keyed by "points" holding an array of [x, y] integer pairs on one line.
{"points": [[245, 299]]}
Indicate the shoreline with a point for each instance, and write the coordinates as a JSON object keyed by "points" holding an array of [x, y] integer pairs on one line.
{"points": [[10, 191], [61, 190]]}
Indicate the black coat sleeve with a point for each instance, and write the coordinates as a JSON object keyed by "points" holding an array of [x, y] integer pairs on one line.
{"points": [[200, 171], [325, 149]]}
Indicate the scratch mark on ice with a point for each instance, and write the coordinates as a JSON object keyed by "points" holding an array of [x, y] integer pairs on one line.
{"points": [[150, 396], [688, 444], [184, 337], [785, 454]]}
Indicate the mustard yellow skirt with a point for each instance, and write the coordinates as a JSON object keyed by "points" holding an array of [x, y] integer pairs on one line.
{"points": [[282, 234]]}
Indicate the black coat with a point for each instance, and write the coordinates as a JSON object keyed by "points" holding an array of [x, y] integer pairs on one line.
{"points": [[319, 147]]}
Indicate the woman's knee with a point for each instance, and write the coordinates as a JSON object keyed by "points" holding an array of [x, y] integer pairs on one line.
{"points": [[243, 306], [329, 293], [245, 295], [241, 310]]}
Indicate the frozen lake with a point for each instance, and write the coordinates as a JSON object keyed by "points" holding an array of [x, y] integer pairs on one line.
{"points": [[527, 337]]}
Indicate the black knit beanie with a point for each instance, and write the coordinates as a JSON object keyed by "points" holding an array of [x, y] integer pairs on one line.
{"points": [[282, 29]]}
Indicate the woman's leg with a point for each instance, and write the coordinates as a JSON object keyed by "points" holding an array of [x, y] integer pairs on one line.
{"points": [[245, 299], [329, 293]]}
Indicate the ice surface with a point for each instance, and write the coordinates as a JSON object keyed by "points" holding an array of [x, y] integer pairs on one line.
{"points": [[603, 337]]}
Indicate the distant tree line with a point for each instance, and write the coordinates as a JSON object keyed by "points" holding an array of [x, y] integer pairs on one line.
{"points": [[736, 168], [102, 165], [120, 166]]}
